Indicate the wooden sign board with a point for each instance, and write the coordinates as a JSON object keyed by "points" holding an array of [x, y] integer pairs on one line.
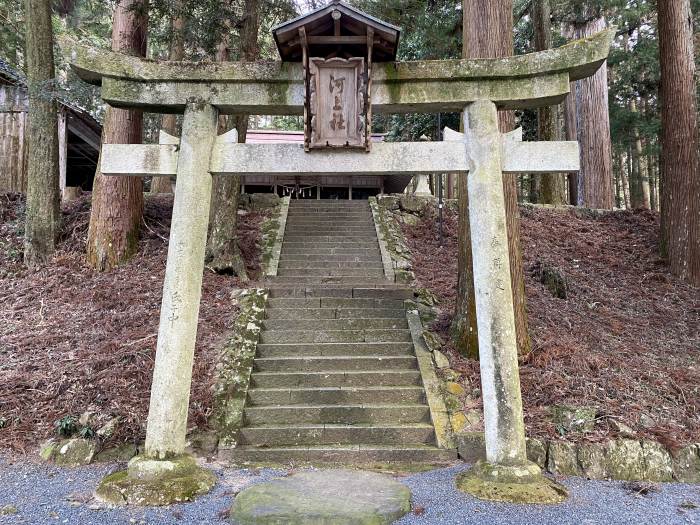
{"points": [[337, 103]]}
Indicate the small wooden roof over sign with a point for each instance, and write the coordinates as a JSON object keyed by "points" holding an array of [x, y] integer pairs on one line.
{"points": [[337, 29]]}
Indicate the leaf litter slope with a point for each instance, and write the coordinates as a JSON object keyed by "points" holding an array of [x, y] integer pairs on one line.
{"points": [[75, 340], [626, 340]]}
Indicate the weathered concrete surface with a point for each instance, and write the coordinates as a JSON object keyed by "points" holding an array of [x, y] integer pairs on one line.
{"points": [[438, 411], [503, 413], [391, 158], [510, 484], [273, 236], [334, 496], [524, 81], [170, 390]]}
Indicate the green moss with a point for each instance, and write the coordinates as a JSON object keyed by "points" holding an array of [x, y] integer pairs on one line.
{"points": [[510, 484], [183, 483], [277, 93], [236, 366]]}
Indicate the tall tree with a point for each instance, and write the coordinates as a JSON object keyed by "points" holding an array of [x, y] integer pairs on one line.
{"points": [[223, 254], [117, 202], [488, 33], [177, 52], [680, 187], [553, 185], [595, 180], [43, 201]]}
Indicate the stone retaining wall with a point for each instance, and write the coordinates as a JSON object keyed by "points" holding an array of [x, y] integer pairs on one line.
{"points": [[236, 364], [620, 459]]}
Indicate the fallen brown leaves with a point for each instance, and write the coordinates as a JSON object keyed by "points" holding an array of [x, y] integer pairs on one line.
{"points": [[73, 339], [626, 340]]}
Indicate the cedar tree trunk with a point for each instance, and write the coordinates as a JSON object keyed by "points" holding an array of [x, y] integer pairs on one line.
{"points": [[223, 254], [680, 188], [117, 202], [552, 185], [43, 200], [488, 33], [169, 122], [595, 180]]}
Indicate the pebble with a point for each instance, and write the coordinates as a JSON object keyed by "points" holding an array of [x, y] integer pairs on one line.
{"points": [[41, 493]]}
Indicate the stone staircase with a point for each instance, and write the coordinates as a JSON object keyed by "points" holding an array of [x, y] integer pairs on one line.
{"points": [[335, 378]]}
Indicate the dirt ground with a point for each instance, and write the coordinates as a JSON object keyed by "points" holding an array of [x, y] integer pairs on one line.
{"points": [[626, 339], [73, 339]]}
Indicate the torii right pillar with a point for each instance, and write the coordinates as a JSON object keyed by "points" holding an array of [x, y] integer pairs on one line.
{"points": [[506, 475]]}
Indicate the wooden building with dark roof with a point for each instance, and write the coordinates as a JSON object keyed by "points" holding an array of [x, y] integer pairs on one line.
{"points": [[79, 136]]}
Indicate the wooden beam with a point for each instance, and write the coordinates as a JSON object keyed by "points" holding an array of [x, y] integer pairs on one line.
{"points": [[319, 40]]}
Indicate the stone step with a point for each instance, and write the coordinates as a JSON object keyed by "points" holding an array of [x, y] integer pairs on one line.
{"points": [[345, 241], [331, 272], [331, 265], [325, 222], [313, 250], [336, 395], [335, 336], [289, 257], [345, 363], [308, 379], [334, 302], [334, 313], [348, 323], [383, 290], [327, 203], [334, 349], [336, 434], [358, 454], [329, 212], [332, 218], [329, 229], [346, 414], [343, 280]]}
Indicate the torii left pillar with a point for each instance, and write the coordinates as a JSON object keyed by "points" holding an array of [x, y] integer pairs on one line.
{"points": [[164, 474]]}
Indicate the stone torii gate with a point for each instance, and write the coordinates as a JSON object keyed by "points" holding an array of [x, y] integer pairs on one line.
{"points": [[477, 88]]}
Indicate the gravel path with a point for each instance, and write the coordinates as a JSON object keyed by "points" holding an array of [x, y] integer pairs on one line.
{"points": [[43, 494]]}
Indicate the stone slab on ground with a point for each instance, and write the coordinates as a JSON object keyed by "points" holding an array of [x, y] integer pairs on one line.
{"points": [[320, 497]]}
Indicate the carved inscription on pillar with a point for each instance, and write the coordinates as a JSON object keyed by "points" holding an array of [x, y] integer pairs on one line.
{"points": [[337, 103]]}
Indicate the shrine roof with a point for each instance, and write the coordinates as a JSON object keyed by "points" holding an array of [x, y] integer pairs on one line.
{"points": [[343, 37]]}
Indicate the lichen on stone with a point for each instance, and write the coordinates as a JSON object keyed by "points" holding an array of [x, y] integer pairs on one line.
{"points": [[180, 480], [235, 366]]}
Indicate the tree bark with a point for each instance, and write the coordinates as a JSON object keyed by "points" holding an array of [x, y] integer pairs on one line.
{"points": [[640, 196], [680, 191], [117, 202], [488, 33], [552, 187], [223, 254], [169, 122], [42, 221], [595, 180]]}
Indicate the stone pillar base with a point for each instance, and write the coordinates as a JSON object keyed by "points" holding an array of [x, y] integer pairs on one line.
{"points": [[156, 482], [511, 484]]}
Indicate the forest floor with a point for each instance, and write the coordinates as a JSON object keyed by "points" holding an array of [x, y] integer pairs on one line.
{"points": [[74, 340], [626, 340]]}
